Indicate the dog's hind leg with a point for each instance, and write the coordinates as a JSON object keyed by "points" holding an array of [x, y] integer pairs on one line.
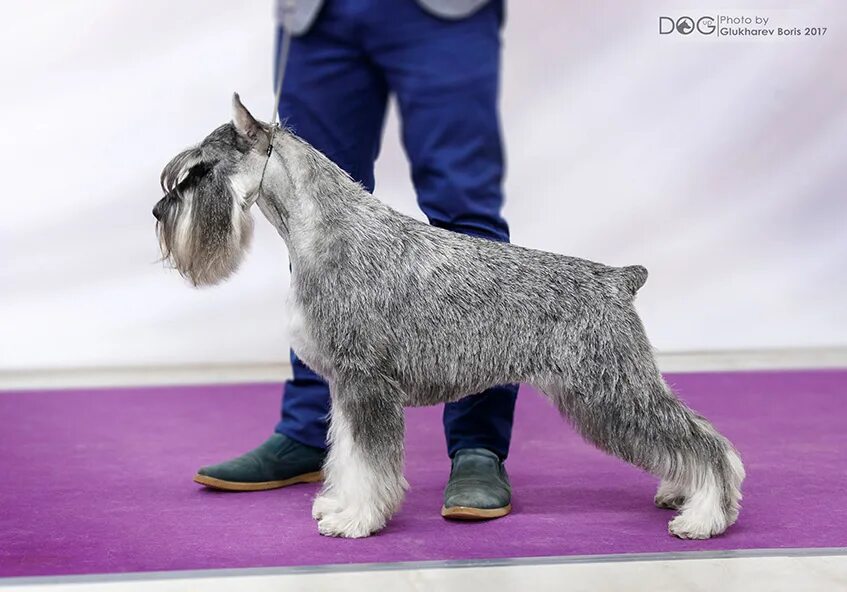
{"points": [[364, 482], [700, 470], [618, 400]]}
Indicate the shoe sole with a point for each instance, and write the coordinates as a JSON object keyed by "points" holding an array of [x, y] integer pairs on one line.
{"points": [[214, 483], [467, 513]]}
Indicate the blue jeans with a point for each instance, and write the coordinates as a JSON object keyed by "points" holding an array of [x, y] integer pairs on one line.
{"points": [[444, 75]]}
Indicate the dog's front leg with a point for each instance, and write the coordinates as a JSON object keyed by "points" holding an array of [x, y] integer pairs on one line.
{"points": [[364, 469]]}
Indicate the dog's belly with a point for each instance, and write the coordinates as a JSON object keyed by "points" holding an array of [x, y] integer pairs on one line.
{"points": [[425, 395]]}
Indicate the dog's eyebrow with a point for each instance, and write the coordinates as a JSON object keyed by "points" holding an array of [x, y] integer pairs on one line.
{"points": [[174, 169], [194, 173], [187, 177]]}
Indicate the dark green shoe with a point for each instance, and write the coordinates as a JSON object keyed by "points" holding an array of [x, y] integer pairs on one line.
{"points": [[280, 461], [478, 488]]}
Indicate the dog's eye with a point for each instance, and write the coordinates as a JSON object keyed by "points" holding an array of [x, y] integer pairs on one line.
{"points": [[194, 174]]}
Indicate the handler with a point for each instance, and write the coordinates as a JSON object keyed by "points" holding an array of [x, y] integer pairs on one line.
{"points": [[441, 60]]}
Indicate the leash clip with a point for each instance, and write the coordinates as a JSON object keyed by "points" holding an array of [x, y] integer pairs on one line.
{"points": [[274, 129]]}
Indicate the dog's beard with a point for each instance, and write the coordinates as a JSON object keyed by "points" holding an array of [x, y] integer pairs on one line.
{"points": [[205, 234]]}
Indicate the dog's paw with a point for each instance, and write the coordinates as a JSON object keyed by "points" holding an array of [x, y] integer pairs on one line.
{"points": [[669, 502], [347, 524], [689, 525], [670, 495], [324, 505]]}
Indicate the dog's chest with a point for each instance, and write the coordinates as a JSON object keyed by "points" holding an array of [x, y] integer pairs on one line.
{"points": [[303, 339]]}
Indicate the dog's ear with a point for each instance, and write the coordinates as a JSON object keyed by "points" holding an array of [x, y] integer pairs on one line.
{"points": [[244, 122]]}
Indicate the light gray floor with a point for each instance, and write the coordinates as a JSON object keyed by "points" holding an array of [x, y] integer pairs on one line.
{"points": [[712, 361], [727, 571]]}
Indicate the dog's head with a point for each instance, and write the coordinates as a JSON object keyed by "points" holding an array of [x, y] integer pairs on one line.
{"points": [[203, 222]]}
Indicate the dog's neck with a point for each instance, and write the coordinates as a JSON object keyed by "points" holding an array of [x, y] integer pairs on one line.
{"points": [[302, 190]]}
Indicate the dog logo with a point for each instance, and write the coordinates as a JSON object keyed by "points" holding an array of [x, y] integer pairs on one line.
{"points": [[685, 25]]}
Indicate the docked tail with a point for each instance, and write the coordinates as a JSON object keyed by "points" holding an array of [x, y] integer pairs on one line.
{"points": [[633, 277]]}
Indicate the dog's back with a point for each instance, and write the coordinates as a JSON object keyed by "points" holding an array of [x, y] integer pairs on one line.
{"points": [[486, 264], [445, 310]]}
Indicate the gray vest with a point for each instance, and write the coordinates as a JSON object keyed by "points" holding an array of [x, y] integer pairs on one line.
{"points": [[303, 12]]}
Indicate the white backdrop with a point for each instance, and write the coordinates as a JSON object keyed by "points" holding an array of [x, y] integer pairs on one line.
{"points": [[720, 165]]}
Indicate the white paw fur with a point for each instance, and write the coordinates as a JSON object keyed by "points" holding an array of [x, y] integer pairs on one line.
{"points": [[351, 523]]}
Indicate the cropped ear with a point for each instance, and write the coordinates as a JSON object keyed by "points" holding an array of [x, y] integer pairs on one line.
{"points": [[245, 124]]}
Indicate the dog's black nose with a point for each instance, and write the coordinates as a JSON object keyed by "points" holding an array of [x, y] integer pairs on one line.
{"points": [[157, 211]]}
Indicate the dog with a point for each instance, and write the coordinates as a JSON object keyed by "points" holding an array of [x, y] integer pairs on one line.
{"points": [[394, 312]]}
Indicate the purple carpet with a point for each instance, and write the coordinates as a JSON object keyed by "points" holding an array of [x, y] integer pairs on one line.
{"points": [[99, 481]]}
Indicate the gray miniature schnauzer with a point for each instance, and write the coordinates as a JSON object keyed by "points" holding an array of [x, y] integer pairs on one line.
{"points": [[394, 312]]}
